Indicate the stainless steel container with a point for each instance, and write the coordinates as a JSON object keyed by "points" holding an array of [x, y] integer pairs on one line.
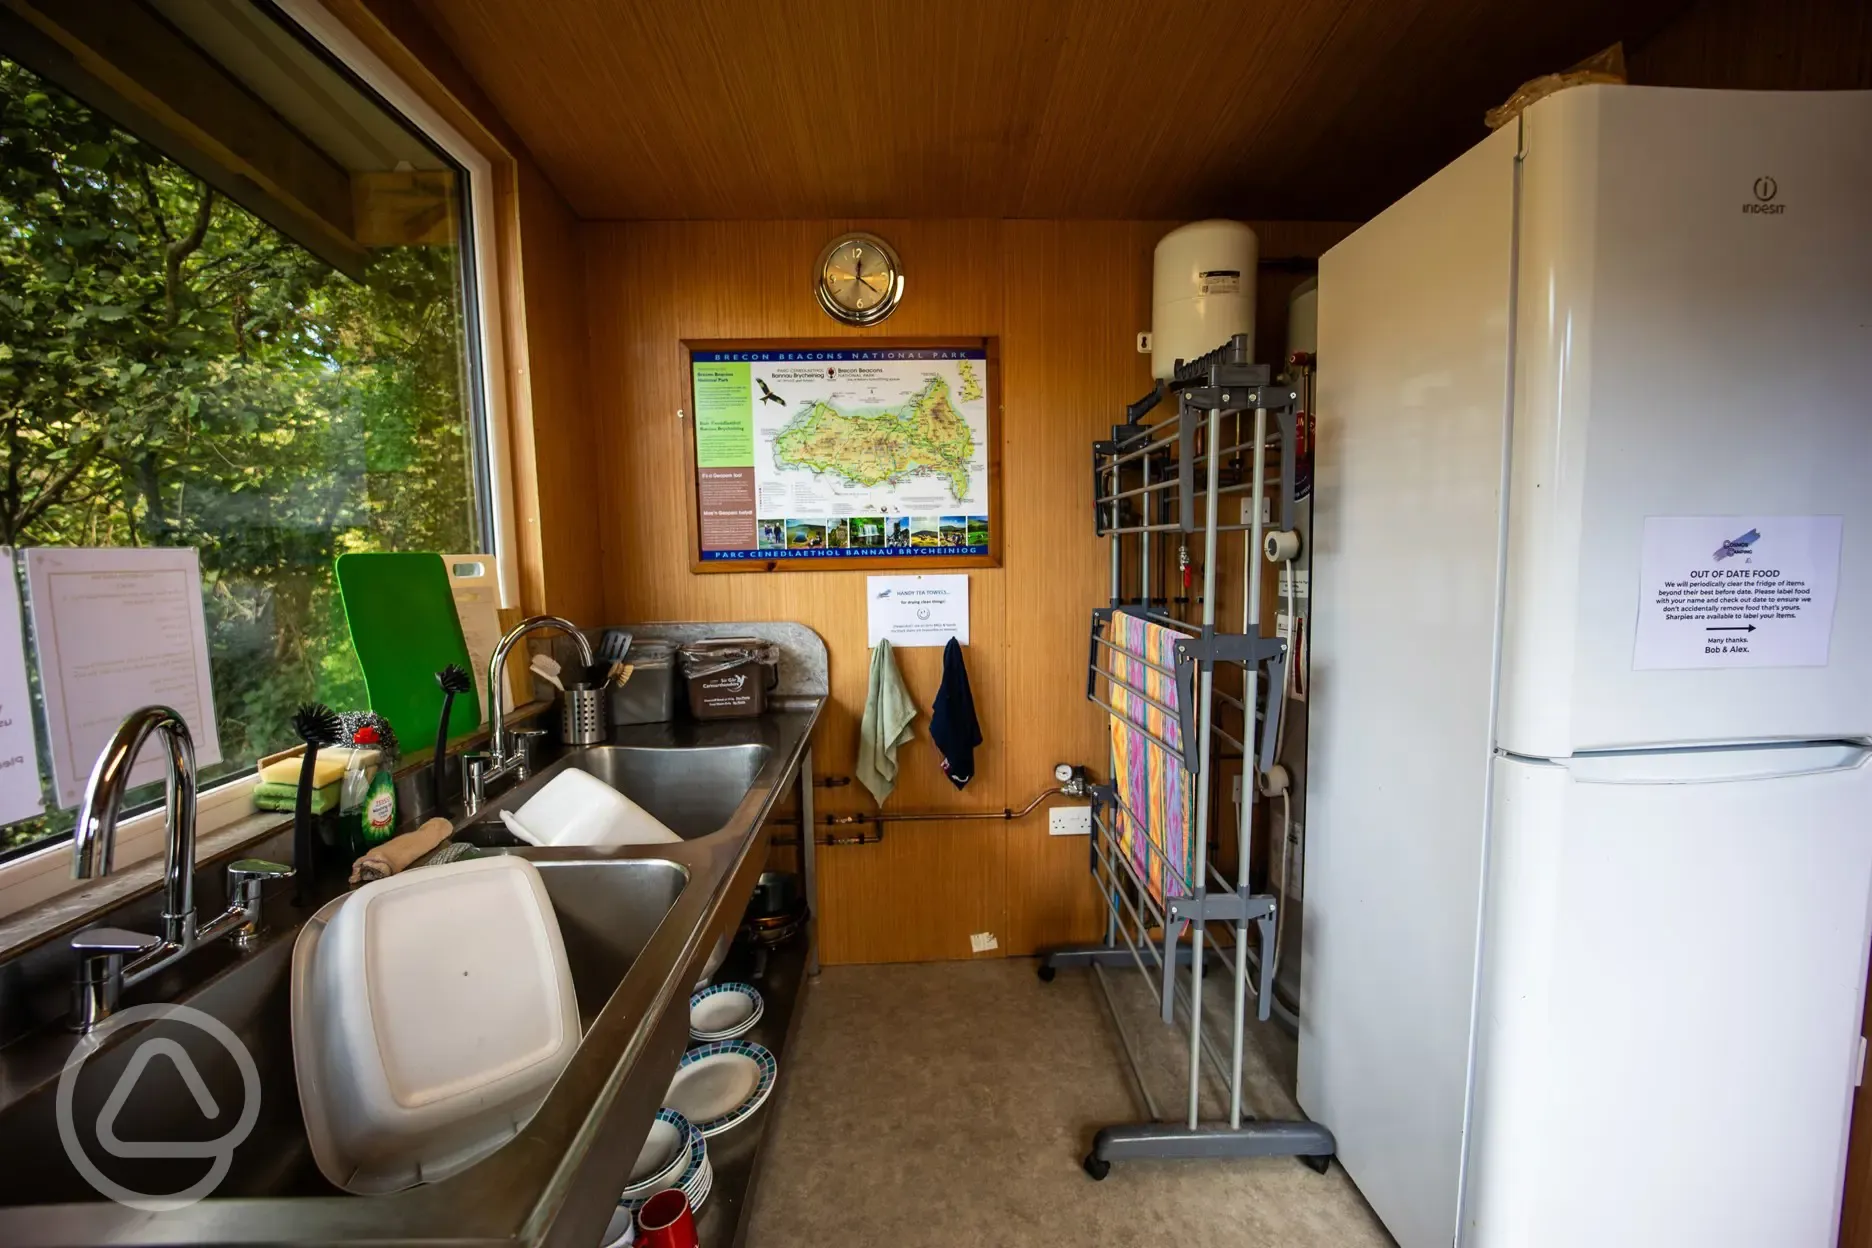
{"points": [[650, 695], [581, 715]]}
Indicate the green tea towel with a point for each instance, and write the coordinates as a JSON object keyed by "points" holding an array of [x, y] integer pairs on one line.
{"points": [[887, 715], [283, 796]]}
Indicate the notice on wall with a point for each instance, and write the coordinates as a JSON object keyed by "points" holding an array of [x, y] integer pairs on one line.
{"points": [[117, 630], [1737, 591], [20, 794], [918, 610]]}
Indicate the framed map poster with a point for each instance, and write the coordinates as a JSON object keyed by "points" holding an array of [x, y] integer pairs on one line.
{"points": [[843, 453]]}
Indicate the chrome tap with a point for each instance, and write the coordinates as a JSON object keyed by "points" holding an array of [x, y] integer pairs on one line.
{"points": [[103, 973], [480, 770]]}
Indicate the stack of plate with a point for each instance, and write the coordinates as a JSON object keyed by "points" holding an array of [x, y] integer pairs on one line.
{"points": [[724, 1012], [674, 1155]]}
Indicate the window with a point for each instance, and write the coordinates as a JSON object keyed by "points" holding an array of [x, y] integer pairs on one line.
{"points": [[181, 369]]}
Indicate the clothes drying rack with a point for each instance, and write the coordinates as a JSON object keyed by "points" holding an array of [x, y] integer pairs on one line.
{"points": [[1154, 869]]}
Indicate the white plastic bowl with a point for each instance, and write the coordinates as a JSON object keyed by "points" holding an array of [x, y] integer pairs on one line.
{"points": [[577, 808], [431, 1013]]}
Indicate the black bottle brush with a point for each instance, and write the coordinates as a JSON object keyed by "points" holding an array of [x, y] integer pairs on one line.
{"points": [[454, 679], [317, 726]]}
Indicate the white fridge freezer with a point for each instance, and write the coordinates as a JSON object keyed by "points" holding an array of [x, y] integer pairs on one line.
{"points": [[1668, 1035], [1593, 531]]}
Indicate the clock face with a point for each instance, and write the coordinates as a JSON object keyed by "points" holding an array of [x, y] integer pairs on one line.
{"points": [[860, 280]]}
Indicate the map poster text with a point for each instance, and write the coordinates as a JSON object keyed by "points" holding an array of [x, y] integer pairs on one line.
{"points": [[724, 416], [725, 503]]}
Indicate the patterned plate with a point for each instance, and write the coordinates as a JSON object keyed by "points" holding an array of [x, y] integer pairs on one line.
{"points": [[719, 1085], [724, 1011], [659, 1176], [698, 1155]]}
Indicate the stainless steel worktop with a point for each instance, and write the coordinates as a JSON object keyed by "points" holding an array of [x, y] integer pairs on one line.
{"points": [[557, 1181]]}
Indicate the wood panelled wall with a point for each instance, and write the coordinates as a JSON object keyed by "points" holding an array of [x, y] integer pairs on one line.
{"points": [[1065, 299]]}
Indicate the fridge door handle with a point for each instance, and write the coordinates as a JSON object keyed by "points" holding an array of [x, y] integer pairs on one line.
{"points": [[1716, 764]]}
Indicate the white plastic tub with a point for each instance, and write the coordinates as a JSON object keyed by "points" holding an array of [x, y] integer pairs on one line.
{"points": [[431, 1013], [577, 808]]}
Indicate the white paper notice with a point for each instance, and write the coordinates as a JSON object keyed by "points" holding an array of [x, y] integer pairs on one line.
{"points": [[918, 610], [117, 630], [20, 794], [1737, 591]]}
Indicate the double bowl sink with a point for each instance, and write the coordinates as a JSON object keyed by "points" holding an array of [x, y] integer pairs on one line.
{"points": [[639, 924]]}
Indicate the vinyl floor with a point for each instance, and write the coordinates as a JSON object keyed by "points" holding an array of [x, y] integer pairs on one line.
{"points": [[948, 1105]]}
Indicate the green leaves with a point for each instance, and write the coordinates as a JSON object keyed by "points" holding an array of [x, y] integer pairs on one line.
{"points": [[253, 404]]}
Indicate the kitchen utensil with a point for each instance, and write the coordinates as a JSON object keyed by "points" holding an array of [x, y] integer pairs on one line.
{"points": [[724, 1011], [666, 1221], [406, 1075], [719, 1085], [453, 679], [405, 629], [777, 895], [577, 808], [547, 669], [317, 725], [613, 645], [581, 715]]}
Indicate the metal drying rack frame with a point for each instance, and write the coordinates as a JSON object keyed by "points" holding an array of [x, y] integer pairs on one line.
{"points": [[1145, 485]]}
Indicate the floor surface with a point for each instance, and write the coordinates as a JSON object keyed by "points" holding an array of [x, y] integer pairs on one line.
{"points": [[949, 1105]]}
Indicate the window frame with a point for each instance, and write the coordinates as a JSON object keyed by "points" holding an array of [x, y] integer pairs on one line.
{"points": [[42, 874]]}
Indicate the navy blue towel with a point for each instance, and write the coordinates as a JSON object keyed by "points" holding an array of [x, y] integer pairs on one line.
{"points": [[953, 726]]}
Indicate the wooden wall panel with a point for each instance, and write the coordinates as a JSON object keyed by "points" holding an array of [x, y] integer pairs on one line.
{"points": [[1065, 300], [1760, 45], [552, 432], [917, 896]]}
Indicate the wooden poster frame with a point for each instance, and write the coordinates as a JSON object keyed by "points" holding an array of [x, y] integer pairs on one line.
{"points": [[856, 563]]}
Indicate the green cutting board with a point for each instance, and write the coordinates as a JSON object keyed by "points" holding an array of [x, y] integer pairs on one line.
{"points": [[405, 630]]}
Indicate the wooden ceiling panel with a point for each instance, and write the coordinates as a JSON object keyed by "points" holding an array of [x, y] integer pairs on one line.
{"points": [[726, 109]]}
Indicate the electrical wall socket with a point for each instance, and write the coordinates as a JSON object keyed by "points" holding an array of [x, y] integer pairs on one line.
{"points": [[1069, 821]]}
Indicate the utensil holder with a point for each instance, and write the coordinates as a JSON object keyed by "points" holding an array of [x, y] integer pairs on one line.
{"points": [[582, 715]]}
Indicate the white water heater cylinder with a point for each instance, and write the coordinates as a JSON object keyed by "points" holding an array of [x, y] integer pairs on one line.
{"points": [[1202, 292]]}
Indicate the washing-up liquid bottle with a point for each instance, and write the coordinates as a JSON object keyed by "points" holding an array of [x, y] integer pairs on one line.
{"points": [[379, 814], [352, 794]]}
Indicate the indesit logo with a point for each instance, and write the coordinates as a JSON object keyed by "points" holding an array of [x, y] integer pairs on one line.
{"points": [[219, 1152], [1764, 205]]}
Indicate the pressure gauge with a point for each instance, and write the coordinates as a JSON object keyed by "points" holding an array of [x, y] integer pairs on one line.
{"points": [[1062, 772]]}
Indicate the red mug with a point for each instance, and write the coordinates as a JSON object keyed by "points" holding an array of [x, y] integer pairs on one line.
{"points": [[666, 1221]]}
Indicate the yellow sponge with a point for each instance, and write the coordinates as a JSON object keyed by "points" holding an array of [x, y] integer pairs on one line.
{"points": [[329, 769]]}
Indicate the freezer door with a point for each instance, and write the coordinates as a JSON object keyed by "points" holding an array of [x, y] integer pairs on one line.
{"points": [[1693, 366], [1674, 962]]}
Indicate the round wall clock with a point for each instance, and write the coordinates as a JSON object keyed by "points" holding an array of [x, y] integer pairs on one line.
{"points": [[859, 279]]}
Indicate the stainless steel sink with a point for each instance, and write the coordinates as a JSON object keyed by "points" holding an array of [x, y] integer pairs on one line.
{"points": [[638, 925], [608, 911], [694, 791]]}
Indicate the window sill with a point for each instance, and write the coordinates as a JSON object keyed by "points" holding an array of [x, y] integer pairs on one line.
{"points": [[39, 899]]}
